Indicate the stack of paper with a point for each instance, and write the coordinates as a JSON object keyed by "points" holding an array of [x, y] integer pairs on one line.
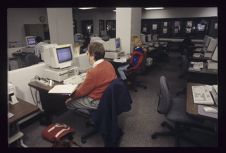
{"points": [[201, 95], [67, 89]]}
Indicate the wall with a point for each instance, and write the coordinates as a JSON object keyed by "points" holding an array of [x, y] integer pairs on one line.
{"points": [[60, 25], [180, 12], [21, 77], [94, 15], [17, 17], [136, 21], [123, 31]]}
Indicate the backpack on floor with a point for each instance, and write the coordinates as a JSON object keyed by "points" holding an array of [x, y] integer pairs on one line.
{"points": [[58, 134]]}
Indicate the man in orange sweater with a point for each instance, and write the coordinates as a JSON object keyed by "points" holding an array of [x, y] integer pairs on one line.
{"points": [[98, 78]]}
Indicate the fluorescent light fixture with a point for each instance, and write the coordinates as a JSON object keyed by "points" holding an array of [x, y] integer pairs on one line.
{"points": [[154, 8], [86, 8]]}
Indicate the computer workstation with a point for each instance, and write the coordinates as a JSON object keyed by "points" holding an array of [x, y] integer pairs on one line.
{"points": [[61, 68]]}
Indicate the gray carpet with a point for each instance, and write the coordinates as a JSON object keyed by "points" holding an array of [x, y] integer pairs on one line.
{"points": [[138, 124]]}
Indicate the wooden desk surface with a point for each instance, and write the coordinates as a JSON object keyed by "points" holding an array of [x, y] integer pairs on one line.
{"points": [[21, 110]]}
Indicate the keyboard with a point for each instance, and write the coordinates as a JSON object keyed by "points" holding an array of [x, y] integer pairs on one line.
{"points": [[76, 79]]}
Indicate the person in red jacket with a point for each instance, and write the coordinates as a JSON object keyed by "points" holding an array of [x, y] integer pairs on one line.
{"points": [[137, 56], [98, 78]]}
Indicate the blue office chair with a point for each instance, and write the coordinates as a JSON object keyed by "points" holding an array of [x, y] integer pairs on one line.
{"points": [[174, 110], [115, 100]]}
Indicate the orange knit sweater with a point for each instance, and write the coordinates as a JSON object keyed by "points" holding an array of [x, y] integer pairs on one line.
{"points": [[96, 81]]}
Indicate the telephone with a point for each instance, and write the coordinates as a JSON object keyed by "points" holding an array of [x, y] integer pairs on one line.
{"points": [[11, 93], [44, 81]]}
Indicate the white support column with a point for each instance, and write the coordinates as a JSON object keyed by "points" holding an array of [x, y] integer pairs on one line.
{"points": [[60, 25], [128, 23]]}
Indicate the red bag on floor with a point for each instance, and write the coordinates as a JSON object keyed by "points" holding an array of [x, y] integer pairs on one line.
{"points": [[57, 132]]}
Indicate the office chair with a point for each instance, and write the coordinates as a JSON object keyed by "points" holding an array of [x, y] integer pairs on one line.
{"points": [[174, 111], [115, 100], [133, 72], [31, 59]]}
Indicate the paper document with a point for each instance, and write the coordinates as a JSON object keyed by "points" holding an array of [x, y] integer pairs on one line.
{"points": [[198, 65], [10, 115], [202, 110], [63, 89], [215, 87], [121, 60], [198, 49], [201, 95], [196, 54]]}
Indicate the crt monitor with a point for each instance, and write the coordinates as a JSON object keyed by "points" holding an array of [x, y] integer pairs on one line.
{"points": [[58, 56], [30, 41], [117, 43], [112, 44], [78, 37]]}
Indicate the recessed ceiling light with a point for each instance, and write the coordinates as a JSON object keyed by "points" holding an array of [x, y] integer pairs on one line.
{"points": [[154, 8], [86, 8]]}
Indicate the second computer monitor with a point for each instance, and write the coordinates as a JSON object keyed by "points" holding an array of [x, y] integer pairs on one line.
{"points": [[30, 41], [82, 62], [112, 45]]}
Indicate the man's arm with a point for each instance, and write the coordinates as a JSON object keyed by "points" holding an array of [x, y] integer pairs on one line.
{"points": [[86, 87]]}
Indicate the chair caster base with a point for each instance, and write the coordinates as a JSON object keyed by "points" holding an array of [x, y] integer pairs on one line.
{"points": [[83, 140], [153, 136]]}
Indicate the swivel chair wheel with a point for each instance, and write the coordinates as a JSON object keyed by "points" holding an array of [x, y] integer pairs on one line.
{"points": [[164, 124], [153, 136], [83, 140]]}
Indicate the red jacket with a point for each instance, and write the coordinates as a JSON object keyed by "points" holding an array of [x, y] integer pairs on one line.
{"points": [[96, 81], [140, 60]]}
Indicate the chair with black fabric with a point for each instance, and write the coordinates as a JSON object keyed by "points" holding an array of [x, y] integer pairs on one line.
{"points": [[174, 110], [115, 100], [31, 59], [138, 69]]}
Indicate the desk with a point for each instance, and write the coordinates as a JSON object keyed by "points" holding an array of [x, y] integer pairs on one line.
{"points": [[51, 103], [205, 75], [191, 107], [22, 111]]}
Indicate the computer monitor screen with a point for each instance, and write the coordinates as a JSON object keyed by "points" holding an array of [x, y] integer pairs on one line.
{"points": [[117, 43], [64, 54], [200, 27], [30, 40]]}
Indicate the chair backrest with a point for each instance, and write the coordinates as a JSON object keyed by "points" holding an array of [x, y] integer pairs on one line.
{"points": [[165, 101], [212, 45], [185, 63], [31, 59], [141, 60], [207, 42]]}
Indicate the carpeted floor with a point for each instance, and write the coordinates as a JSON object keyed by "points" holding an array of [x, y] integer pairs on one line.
{"points": [[138, 124]]}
